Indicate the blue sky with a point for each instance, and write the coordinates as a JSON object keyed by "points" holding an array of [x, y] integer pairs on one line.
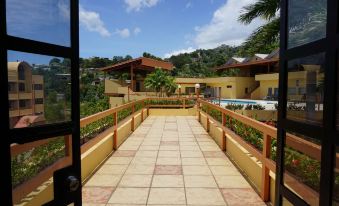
{"points": [[119, 27]]}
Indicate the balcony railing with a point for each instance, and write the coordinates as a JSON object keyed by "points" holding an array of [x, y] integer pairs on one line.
{"points": [[259, 139], [93, 130]]}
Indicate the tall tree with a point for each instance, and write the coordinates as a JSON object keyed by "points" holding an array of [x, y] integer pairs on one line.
{"points": [[266, 37]]}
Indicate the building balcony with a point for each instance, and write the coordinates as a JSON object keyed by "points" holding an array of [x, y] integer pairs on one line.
{"points": [[141, 154]]}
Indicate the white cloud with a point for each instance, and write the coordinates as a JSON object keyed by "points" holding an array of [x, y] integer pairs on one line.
{"points": [[224, 27], [181, 51], [137, 5], [123, 33], [136, 30], [64, 9], [91, 21]]}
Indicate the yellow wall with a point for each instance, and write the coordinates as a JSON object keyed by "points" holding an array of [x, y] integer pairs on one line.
{"points": [[237, 90], [172, 112], [90, 162], [264, 85]]}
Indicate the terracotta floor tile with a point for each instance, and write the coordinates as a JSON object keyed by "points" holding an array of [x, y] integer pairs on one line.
{"points": [[112, 169], [140, 169], [218, 161], [196, 170], [124, 153], [168, 170], [119, 160], [135, 181], [185, 153], [232, 182], [202, 181], [169, 143], [96, 195], [193, 161], [104, 180], [224, 170], [204, 196], [129, 196], [165, 153], [146, 153], [168, 181], [144, 160], [167, 196], [239, 197], [214, 154]]}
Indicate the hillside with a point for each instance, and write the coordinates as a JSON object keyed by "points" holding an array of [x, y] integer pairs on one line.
{"points": [[200, 62]]}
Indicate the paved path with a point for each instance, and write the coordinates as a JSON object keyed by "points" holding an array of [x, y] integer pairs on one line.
{"points": [[169, 161]]}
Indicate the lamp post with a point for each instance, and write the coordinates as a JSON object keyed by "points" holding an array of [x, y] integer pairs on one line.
{"points": [[179, 87], [197, 89]]}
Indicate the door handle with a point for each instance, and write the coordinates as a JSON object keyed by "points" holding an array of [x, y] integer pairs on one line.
{"points": [[73, 183]]}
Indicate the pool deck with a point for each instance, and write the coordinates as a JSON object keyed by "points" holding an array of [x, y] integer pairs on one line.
{"points": [[169, 161]]}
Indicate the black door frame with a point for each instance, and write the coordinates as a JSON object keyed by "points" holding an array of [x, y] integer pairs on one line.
{"points": [[326, 132], [25, 135]]}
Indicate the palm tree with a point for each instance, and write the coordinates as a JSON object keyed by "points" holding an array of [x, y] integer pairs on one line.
{"points": [[266, 37], [170, 86], [306, 24], [156, 80]]}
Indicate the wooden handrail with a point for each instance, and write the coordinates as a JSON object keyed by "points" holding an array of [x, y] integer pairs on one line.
{"points": [[25, 188], [309, 148]]}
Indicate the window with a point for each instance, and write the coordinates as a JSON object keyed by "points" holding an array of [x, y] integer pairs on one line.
{"points": [[23, 103], [189, 90], [22, 87], [37, 86], [12, 105], [246, 90], [39, 101], [21, 72], [229, 86], [11, 87]]}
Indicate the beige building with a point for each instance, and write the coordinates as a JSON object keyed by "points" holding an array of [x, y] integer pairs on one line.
{"points": [[26, 95]]}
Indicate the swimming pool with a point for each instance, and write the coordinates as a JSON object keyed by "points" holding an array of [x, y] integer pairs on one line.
{"points": [[269, 105]]}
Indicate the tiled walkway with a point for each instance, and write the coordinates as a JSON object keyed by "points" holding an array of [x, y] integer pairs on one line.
{"points": [[169, 161]]}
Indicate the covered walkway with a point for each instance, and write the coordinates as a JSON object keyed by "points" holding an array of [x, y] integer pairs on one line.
{"points": [[169, 161]]}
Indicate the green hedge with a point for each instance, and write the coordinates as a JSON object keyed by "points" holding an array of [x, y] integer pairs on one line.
{"points": [[28, 164]]}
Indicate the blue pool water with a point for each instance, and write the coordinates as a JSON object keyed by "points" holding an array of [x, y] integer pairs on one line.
{"points": [[232, 101]]}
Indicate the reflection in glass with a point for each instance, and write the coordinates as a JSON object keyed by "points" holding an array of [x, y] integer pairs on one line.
{"points": [[305, 93], [306, 21], [302, 156], [39, 91], [31, 161], [40, 20], [336, 179]]}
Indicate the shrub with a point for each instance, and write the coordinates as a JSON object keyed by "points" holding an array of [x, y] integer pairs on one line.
{"points": [[249, 107], [258, 107], [233, 107]]}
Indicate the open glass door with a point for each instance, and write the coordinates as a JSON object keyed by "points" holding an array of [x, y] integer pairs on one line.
{"points": [[39, 58], [307, 168]]}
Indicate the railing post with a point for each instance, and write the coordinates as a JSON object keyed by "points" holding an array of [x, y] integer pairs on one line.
{"points": [[198, 109], [115, 135], [147, 110], [265, 172], [132, 122], [223, 131], [184, 103], [142, 111], [68, 146], [207, 120]]}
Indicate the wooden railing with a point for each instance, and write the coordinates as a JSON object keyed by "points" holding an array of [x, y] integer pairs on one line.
{"points": [[269, 134], [22, 190]]}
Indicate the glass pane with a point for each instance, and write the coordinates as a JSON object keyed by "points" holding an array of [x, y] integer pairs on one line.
{"points": [[337, 122], [40, 20], [305, 91], [40, 89], [302, 156], [33, 165], [336, 179], [306, 21]]}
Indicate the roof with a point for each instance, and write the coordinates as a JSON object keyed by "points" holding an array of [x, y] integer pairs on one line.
{"points": [[247, 64], [262, 56], [140, 63], [26, 121], [239, 59], [13, 66]]}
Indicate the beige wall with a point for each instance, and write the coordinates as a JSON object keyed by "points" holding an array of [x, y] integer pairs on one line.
{"points": [[237, 85]]}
